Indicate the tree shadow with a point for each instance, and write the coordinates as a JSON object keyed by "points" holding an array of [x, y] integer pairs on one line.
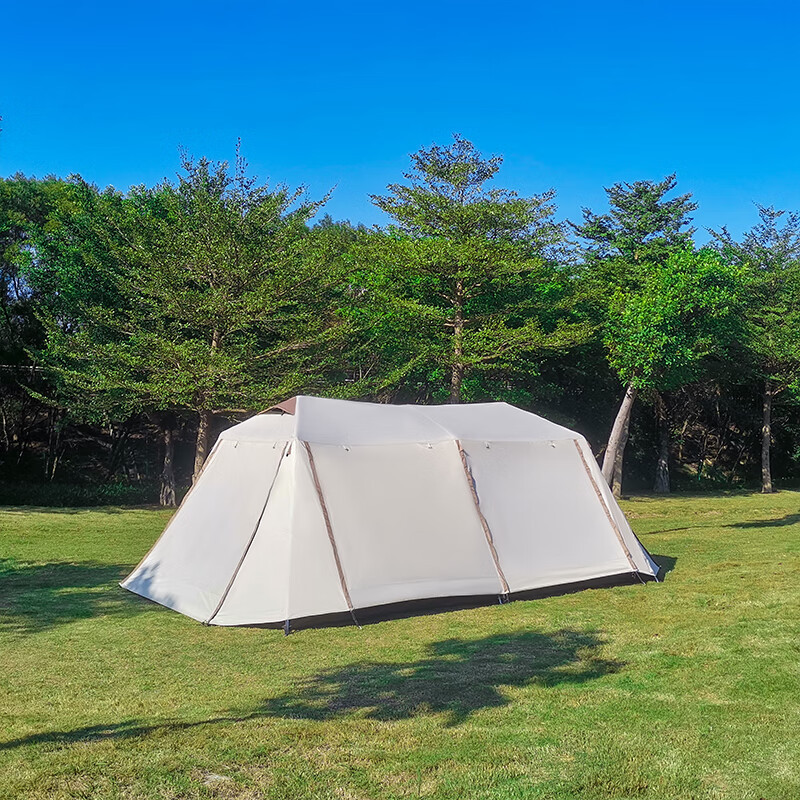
{"points": [[457, 677], [775, 522], [665, 564], [36, 597]]}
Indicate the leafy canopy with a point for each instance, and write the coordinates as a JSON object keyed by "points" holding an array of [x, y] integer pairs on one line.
{"points": [[464, 284], [685, 311]]}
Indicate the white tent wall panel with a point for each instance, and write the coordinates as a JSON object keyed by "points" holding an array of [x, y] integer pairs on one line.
{"points": [[260, 589], [314, 584], [546, 519], [191, 565], [640, 556], [405, 523]]}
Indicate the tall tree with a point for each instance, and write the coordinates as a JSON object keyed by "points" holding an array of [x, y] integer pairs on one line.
{"points": [[466, 275], [770, 252], [642, 225], [659, 337], [640, 232], [215, 296]]}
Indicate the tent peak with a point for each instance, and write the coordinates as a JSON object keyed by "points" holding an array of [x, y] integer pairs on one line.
{"points": [[286, 407]]}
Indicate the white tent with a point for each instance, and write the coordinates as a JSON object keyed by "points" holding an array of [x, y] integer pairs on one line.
{"points": [[324, 506]]}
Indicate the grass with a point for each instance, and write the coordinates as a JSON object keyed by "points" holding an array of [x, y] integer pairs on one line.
{"points": [[685, 689]]}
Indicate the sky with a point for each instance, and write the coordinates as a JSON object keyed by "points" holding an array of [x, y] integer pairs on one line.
{"points": [[575, 96]]}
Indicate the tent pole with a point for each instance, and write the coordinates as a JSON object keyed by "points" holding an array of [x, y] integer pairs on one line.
{"points": [[614, 526], [329, 528], [484, 524], [286, 628]]}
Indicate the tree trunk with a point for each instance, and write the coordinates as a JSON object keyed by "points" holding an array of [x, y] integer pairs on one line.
{"points": [[457, 374], [203, 438], [206, 417], [766, 439], [167, 495], [616, 484], [618, 437], [661, 483]]}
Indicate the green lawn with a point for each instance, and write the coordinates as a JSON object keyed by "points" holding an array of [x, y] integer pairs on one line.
{"points": [[685, 689]]}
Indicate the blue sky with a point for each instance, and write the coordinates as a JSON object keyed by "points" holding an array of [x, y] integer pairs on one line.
{"points": [[576, 96]]}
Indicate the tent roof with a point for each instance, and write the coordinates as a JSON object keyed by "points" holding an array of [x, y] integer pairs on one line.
{"points": [[348, 422]]}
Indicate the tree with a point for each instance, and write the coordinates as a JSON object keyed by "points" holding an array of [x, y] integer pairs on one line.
{"points": [[464, 281], [208, 296], [641, 230], [660, 335], [641, 226], [770, 252], [27, 205]]}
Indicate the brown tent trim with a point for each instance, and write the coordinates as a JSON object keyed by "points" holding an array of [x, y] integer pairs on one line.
{"points": [[251, 539], [603, 503], [484, 524], [328, 526], [287, 407]]}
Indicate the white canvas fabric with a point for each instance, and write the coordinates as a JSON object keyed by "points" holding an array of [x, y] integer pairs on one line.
{"points": [[345, 505]]}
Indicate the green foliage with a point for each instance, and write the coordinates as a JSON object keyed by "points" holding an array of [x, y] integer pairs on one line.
{"points": [[641, 225], [208, 294], [64, 495], [683, 311], [769, 253], [465, 285]]}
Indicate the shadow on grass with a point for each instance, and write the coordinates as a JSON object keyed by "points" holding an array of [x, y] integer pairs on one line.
{"points": [[36, 597], [665, 564], [457, 678], [776, 522]]}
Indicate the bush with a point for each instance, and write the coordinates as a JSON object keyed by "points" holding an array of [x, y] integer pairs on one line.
{"points": [[70, 494]]}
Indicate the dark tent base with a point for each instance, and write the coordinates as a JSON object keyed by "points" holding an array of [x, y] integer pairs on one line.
{"points": [[436, 605]]}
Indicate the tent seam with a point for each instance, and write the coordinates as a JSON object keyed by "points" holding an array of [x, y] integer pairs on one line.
{"points": [[487, 532], [328, 526], [609, 517], [251, 539]]}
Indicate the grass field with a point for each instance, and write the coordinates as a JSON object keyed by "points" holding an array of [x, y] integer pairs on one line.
{"points": [[685, 689]]}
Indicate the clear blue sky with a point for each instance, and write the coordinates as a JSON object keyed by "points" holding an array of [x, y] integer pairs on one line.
{"points": [[576, 96]]}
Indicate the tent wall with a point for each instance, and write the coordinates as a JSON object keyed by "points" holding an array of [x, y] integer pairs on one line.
{"points": [[547, 523], [640, 556], [314, 584], [259, 591], [405, 523], [192, 563]]}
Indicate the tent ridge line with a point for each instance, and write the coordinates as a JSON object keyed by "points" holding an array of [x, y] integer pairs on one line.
{"points": [[251, 539], [328, 526], [487, 532], [609, 517]]}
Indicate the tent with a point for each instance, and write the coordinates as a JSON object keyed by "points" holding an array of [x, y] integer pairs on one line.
{"points": [[323, 506]]}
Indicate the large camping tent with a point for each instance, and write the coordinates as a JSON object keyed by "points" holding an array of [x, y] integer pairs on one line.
{"points": [[323, 506]]}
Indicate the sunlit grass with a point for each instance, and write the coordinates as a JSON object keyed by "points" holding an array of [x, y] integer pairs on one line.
{"points": [[685, 689]]}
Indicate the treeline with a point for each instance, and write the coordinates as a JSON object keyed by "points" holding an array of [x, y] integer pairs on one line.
{"points": [[135, 325]]}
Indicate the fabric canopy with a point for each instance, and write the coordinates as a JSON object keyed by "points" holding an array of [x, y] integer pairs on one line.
{"points": [[323, 506]]}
